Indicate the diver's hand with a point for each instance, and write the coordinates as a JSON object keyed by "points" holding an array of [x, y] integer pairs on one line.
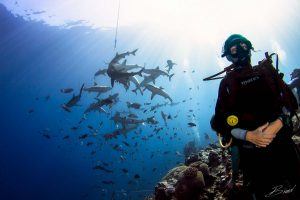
{"points": [[273, 128], [258, 137]]}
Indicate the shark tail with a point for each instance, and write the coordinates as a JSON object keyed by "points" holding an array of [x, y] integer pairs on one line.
{"points": [[170, 76], [152, 95], [135, 90], [112, 82], [140, 72], [81, 89], [141, 91], [133, 52]]}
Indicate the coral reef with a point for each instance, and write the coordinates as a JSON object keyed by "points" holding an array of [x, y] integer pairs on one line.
{"points": [[206, 175], [190, 184]]}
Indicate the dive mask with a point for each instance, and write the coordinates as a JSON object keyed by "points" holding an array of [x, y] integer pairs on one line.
{"points": [[239, 53]]}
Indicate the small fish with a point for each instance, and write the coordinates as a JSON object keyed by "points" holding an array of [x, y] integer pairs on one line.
{"points": [[89, 143], [30, 111], [74, 128], [66, 108], [126, 143], [108, 182], [206, 136], [152, 155], [122, 158], [132, 115], [125, 170], [66, 137], [47, 97], [66, 90], [105, 163], [83, 136], [46, 136], [191, 124], [136, 176]]}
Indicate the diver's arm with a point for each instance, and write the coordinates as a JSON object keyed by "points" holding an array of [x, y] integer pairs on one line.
{"points": [[258, 138], [273, 127], [222, 109], [262, 136], [239, 133]]}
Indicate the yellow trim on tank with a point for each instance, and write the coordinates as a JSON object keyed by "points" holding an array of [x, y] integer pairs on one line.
{"points": [[222, 145]]}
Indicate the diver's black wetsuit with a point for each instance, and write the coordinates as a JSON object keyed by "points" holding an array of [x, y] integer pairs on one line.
{"points": [[272, 172]]}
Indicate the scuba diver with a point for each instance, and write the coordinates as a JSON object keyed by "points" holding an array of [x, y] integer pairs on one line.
{"points": [[295, 82], [250, 109]]}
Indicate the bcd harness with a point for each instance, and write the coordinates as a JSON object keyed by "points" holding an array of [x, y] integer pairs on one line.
{"points": [[286, 98]]}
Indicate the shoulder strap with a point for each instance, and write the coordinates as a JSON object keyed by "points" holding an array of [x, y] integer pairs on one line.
{"points": [[214, 77]]}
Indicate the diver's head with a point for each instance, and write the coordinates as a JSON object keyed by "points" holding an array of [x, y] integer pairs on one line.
{"points": [[237, 50], [295, 73]]}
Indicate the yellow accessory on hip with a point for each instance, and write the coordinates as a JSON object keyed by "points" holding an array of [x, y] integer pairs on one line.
{"points": [[232, 120]]}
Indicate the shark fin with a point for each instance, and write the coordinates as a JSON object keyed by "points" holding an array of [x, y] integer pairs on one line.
{"points": [[112, 82], [140, 72], [170, 76], [134, 90], [141, 91], [124, 62], [152, 95], [133, 52]]}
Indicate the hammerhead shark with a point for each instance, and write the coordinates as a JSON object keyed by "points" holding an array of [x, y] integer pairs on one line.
{"points": [[170, 65], [114, 71], [75, 99], [97, 88], [157, 72], [157, 91]]}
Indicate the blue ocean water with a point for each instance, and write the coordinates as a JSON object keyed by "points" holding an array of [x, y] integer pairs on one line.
{"points": [[38, 60]]}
